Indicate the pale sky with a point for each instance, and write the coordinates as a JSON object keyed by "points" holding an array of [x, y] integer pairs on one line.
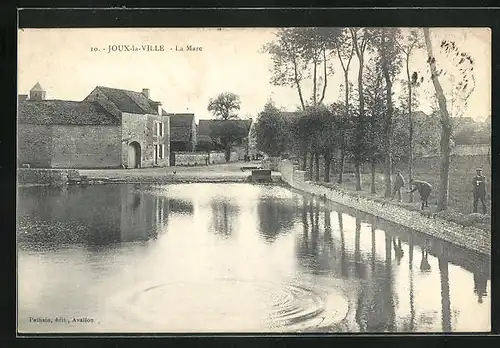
{"points": [[230, 60]]}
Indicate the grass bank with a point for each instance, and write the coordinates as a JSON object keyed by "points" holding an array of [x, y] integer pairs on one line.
{"points": [[460, 201]]}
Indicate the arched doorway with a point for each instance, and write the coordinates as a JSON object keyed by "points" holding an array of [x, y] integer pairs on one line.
{"points": [[134, 155]]}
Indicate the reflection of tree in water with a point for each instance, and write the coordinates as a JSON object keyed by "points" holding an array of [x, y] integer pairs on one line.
{"points": [[275, 217], [360, 265], [223, 217], [344, 265], [445, 292], [375, 310], [480, 284]]}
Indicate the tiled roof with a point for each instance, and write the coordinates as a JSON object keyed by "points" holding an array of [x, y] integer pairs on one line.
{"points": [[64, 112], [181, 120], [129, 101], [180, 134], [181, 127]]}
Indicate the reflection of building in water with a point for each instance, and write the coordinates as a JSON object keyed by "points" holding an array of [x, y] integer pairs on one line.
{"points": [[182, 207], [223, 216], [275, 217], [142, 215], [99, 215]]}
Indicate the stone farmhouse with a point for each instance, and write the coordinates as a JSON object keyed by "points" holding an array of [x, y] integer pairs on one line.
{"points": [[110, 128], [182, 132]]}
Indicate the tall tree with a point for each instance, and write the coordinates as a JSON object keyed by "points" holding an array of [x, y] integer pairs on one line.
{"points": [[288, 63], [226, 134], [345, 51], [360, 39], [390, 61], [317, 46], [271, 131], [224, 106], [411, 42], [464, 63], [297, 55], [375, 102]]}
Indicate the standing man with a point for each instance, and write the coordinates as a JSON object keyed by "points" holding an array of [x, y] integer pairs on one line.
{"points": [[399, 182], [479, 189], [424, 189]]}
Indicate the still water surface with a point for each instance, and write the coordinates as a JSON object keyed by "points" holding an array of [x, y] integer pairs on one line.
{"points": [[232, 258]]}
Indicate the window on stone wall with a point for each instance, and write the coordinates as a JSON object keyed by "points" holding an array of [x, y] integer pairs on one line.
{"points": [[160, 131], [162, 151]]}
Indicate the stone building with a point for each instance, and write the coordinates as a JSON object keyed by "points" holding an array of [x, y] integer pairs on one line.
{"points": [[182, 132], [110, 128]]}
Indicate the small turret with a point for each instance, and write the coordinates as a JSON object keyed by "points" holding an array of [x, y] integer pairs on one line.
{"points": [[37, 92]]}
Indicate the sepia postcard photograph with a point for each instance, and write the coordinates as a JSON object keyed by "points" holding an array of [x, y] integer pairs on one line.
{"points": [[254, 180]]}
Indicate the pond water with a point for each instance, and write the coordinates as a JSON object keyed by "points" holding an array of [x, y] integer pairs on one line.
{"points": [[233, 258]]}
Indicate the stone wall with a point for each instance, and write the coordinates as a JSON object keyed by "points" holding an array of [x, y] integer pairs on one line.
{"points": [[217, 157], [141, 129], [467, 237], [56, 177], [272, 163], [190, 158], [234, 156], [34, 145], [86, 146]]}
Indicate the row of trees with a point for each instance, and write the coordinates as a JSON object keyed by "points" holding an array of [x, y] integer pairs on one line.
{"points": [[364, 124]]}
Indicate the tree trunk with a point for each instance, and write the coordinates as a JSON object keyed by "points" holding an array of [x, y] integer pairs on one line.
{"points": [[445, 127], [316, 166], [373, 169], [325, 76], [228, 154], [341, 164], [388, 121], [410, 128], [444, 168], [357, 168], [315, 82], [360, 126], [311, 166], [328, 163], [297, 82], [304, 161]]}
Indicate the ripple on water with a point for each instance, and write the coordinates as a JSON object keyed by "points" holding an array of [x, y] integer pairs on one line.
{"points": [[232, 305]]}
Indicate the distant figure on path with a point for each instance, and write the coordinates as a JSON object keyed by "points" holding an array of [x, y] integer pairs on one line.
{"points": [[424, 189], [479, 189], [399, 183]]}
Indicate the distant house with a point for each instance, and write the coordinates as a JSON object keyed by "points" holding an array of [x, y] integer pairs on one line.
{"points": [[182, 132], [211, 131], [110, 128]]}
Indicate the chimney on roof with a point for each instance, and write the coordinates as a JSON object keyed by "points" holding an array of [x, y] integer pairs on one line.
{"points": [[145, 91], [22, 97]]}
